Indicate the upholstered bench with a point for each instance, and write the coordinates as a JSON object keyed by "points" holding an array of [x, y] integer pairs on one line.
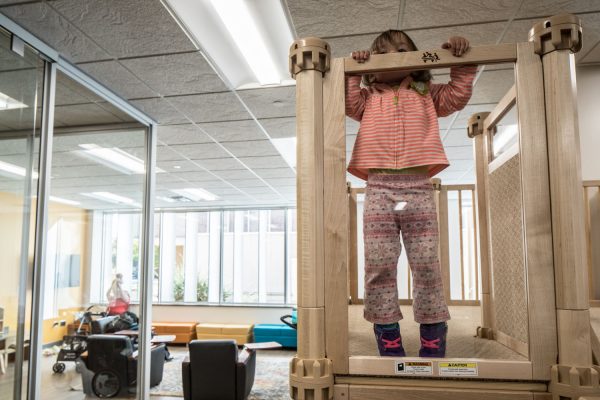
{"points": [[241, 333], [184, 332], [282, 334]]}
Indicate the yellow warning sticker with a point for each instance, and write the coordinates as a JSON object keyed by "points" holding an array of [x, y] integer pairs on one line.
{"points": [[414, 367], [457, 369]]}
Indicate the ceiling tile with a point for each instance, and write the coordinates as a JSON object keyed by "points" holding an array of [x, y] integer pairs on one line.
{"points": [[84, 114], [431, 13], [342, 17], [182, 134], [160, 110], [457, 137], [541, 8], [492, 86], [178, 166], [21, 85], [251, 148], [274, 172], [47, 24], [220, 164], [478, 35], [114, 76], [235, 174], [233, 131], [176, 74], [210, 107], [200, 151], [276, 182], [462, 117], [459, 153], [264, 162], [279, 127], [270, 102], [127, 28], [194, 176], [593, 56], [247, 183], [344, 45]]}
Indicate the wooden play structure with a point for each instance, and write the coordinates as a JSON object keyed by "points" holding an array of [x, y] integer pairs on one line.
{"points": [[530, 220]]}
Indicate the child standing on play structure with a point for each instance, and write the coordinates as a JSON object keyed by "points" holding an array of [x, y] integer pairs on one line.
{"points": [[397, 150]]}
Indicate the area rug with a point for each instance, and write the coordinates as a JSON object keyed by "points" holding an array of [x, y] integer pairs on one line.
{"points": [[270, 382]]}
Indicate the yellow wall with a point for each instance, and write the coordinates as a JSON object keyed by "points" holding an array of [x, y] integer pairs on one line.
{"points": [[75, 231]]}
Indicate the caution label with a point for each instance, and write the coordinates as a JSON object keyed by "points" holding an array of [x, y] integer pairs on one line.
{"points": [[414, 368], [458, 369]]}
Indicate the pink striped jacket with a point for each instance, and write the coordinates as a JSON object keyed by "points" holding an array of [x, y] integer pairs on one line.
{"points": [[399, 127]]}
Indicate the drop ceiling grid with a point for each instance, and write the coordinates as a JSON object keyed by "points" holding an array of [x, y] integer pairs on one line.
{"points": [[405, 18], [123, 63]]}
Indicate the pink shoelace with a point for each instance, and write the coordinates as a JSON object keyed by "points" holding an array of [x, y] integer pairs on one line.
{"points": [[391, 344], [430, 344]]}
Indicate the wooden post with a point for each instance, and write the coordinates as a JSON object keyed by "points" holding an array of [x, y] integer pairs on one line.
{"points": [[441, 198], [352, 245], [555, 40], [311, 374], [482, 158]]}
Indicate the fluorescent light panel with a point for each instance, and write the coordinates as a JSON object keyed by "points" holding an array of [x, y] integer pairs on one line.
{"points": [[110, 197], [114, 158], [8, 103], [242, 28], [64, 201], [287, 148], [248, 41], [196, 194], [12, 171]]}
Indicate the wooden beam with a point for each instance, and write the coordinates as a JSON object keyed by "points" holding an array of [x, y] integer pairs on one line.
{"points": [[486, 369], [436, 58]]}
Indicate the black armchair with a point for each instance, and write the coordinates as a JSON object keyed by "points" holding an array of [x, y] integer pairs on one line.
{"points": [[101, 324], [215, 370], [110, 368]]}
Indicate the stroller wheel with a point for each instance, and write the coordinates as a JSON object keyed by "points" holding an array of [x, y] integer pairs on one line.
{"points": [[59, 368]]}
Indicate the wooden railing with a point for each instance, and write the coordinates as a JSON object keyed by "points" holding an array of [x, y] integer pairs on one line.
{"points": [[591, 196], [466, 247]]}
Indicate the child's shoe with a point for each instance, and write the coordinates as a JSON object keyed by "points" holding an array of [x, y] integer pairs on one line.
{"points": [[433, 340], [389, 341]]}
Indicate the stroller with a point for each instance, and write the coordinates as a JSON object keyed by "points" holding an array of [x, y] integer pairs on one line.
{"points": [[76, 344]]}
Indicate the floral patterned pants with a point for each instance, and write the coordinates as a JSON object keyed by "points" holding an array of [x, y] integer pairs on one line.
{"points": [[383, 223]]}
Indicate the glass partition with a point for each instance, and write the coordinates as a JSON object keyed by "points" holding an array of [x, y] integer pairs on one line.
{"points": [[98, 164], [21, 80]]}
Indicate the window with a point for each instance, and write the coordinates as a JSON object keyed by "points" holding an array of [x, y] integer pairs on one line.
{"points": [[229, 257]]}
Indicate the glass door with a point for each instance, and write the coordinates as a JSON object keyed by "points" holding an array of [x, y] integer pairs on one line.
{"points": [[21, 78]]}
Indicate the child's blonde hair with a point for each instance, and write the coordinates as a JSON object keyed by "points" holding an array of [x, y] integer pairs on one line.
{"points": [[394, 37]]}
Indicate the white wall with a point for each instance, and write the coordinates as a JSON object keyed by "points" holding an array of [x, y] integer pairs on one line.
{"points": [[221, 314], [588, 101]]}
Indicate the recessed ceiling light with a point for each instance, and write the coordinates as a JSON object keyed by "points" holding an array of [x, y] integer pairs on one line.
{"points": [[177, 166], [114, 158], [8, 103], [64, 201], [14, 171], [111, 198], [195, 194], [247, 41], [287, 148]]}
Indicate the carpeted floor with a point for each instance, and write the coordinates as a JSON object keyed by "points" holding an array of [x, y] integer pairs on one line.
{"points": [[461, 341], [270, 382]]}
